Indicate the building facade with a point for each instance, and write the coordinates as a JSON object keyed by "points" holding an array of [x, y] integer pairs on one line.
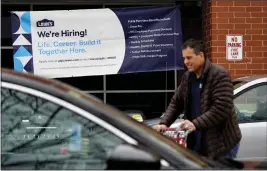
{"points": [[206, 20]]}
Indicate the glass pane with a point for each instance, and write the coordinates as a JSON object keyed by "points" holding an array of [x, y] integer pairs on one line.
{"points": [[7, 58], [160, 80], [64, 7], [152, 105], [252, 105], [38, 134], [6, 39], [85, 83]]}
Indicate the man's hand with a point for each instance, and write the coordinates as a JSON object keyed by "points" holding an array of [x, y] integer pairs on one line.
{"points": [[187, 125], [159, 127]]}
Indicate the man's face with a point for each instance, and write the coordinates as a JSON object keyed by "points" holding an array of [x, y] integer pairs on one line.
{"points": [[192, 61]]}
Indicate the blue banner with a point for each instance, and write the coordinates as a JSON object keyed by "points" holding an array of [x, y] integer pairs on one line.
{"points": [[106, 41]]}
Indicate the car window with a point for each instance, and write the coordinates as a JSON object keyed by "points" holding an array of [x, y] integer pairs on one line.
{"points": [[252, 105], [39, 134]]}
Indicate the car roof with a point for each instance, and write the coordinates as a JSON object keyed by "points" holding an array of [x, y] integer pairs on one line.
{"points": [[96, 107], [249, 78]]}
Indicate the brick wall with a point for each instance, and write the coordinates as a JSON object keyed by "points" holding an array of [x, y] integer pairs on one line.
{"points": [[246, 17]]}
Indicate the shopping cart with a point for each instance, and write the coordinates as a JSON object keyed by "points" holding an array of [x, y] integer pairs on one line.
{"points": [[179, 136]]}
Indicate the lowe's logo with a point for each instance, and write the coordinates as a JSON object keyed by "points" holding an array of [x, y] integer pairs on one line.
{"points": [[45, 23]]}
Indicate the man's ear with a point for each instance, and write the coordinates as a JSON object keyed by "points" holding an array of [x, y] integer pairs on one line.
{"points": [[201, 54]]}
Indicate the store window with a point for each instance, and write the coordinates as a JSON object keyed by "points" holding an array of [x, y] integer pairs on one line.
{"points": [[87, 83], [161, 80], [152, 105], [7, 58], [6, 35]]}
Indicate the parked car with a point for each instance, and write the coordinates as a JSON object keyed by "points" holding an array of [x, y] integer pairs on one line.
{"points": [[250, 99], [49, 125]]}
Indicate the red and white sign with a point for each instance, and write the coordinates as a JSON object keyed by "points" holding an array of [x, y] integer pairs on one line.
{"points": [[234, 47]]}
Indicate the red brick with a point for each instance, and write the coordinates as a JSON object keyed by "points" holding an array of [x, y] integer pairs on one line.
{"points": [[225, 26], [227, 66], [254, 66], [264, 43], [259, 60], [242, 3], [241, 14], [253, 9], [221, 49], [214, 49], [259, 37], [220, 37], [218, 43], [237, 9], [259, 31], [239, 75], [264, 9], [253, 43], [221, 20], [254, 54], [237, 31], [237, 66], [216, 32], [258, 14], [259, 49], [247, 37], [218, 55], [242, 26], [213, 15], [264, 3], [257, 3], [259, 72], [265, 55], [222, 61], [259, 26], [265, 66], [214, 26], [253, 20], [247, 49], [224, 3], [219, 9], [264, 20], [237, 20], [240, 72], [225, 15]]}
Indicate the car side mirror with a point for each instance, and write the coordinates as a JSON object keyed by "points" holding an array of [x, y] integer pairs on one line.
{"points": [[127, 157]]}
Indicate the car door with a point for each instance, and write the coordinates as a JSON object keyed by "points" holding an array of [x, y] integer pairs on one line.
{"points": [[251, 105], [42, 132]]}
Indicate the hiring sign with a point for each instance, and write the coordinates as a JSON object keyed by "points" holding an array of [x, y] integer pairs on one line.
{"points": [[74, 43], [234, 47]]}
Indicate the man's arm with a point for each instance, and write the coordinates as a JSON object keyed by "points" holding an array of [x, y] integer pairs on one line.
{"points": [[222, 103], [175, 107]]}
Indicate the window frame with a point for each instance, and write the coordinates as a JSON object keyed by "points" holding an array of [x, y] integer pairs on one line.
{"points": [[72, 108], [247, 87]]}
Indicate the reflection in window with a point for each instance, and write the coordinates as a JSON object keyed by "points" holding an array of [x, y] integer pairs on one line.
{"points": [[252, 105], [160, 80], [152, 105], [38, 134]]}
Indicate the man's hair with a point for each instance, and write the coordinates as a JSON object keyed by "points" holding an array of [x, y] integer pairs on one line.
{"points": [[196, 45]]}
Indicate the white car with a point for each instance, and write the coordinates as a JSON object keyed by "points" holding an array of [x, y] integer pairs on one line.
{"points": [[250, 99]]}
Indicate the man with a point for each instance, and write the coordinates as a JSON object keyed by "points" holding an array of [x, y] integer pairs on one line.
{"points": [[205, 96]]}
